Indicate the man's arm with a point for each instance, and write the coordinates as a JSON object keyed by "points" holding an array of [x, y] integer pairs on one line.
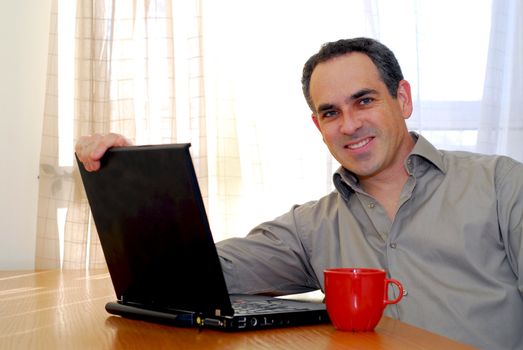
{"points": [[90, 149], [510, 213], [270, 260]]}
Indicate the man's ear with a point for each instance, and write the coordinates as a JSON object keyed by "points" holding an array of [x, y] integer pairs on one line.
{"points": [[404, 98], [315, 120]]}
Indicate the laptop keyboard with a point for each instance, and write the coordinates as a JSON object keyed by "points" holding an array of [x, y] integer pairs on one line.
{"points": [[242, 306]]}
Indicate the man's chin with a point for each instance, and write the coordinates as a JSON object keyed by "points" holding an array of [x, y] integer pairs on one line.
{"points": [[362, 172]]}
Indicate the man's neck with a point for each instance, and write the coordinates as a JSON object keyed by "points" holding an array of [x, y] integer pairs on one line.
{"points": [[386, 187]]}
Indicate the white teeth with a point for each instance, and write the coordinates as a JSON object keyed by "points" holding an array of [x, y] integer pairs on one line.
{"points": [[359, 144]]}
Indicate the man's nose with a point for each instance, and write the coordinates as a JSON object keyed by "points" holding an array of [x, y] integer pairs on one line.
{"points": [[350, 123]]}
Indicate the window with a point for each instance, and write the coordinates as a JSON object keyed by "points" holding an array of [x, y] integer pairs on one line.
{"points": [[452, 46]]}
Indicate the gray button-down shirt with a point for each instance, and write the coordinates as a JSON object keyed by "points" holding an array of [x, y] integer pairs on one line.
{"points": [[455, 244]]}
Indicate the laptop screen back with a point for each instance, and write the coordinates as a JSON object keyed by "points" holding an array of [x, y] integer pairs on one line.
{"points": [[154, 232]]}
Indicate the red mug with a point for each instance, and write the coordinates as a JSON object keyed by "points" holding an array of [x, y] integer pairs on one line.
{"points": [[356, 297]]}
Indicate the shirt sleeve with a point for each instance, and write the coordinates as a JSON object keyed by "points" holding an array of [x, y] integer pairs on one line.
{"points": [[510, 213], [271, 259]]}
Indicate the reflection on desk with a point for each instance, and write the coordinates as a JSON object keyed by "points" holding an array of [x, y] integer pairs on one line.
{"points": [[65, 310]]}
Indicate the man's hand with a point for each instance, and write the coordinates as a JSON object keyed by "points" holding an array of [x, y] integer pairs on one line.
{"points": [[90, 149]]}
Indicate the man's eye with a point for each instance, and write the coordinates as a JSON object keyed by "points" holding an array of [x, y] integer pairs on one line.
{"points": [[329, 114], [365, 101]]}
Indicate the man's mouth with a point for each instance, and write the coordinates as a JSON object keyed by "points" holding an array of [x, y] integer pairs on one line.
{"points": [[358, 145]]}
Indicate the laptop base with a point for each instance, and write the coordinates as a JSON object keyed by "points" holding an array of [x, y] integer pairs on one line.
{"points": [[224, 323]]}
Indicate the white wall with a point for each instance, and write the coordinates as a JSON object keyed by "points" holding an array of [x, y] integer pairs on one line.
{"points": [[24, 32]]}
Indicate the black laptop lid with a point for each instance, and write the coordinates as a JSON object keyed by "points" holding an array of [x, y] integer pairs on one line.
{"points": [[153, 229]]}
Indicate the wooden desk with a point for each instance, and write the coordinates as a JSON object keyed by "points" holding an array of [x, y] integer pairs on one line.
{"points": [[65, 310]]}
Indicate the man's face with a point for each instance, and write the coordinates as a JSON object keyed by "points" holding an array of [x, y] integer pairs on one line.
{"points": [[361, 123]]}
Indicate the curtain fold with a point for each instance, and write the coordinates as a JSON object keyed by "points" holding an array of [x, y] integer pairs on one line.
{"points": [[51, 177]]}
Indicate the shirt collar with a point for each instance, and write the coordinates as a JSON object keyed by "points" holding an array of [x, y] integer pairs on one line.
{"points": [[425, 150], [423, 155]]}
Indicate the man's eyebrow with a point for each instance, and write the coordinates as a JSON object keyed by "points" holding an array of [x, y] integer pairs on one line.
{"points": [[360, 94], [325, 107]]}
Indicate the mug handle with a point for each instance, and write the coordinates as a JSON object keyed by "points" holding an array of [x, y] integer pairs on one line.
{"points": [[400, 288]]}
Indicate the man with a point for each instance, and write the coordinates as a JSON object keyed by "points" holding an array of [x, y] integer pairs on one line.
{"points": [[448, 225]]}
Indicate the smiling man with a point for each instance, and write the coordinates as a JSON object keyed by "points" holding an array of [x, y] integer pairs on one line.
{"points": [[362, 124], [448, 225]]}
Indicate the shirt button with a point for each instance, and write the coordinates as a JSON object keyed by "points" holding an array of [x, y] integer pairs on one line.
{"points": [[393, 245], [371, 205]]}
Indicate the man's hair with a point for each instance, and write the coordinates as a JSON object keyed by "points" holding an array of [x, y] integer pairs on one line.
{"points": [[382, 57]]}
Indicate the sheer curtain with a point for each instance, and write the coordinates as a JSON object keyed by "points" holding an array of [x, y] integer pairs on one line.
{"points": [[124, 81], [225, 76], [501, 128]]}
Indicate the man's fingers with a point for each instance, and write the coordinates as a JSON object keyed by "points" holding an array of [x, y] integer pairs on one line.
{"points": [[90, 149], [102, 143]]}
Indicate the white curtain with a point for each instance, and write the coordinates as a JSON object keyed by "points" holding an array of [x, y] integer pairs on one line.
{"points": [[122, 80], [225, 76], [501, 128]]}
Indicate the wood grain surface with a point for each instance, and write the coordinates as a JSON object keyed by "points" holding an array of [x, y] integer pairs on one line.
{"points": [[65, 310]]}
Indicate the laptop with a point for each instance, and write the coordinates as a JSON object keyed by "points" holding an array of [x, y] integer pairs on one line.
{"points": [[154, 232]]}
